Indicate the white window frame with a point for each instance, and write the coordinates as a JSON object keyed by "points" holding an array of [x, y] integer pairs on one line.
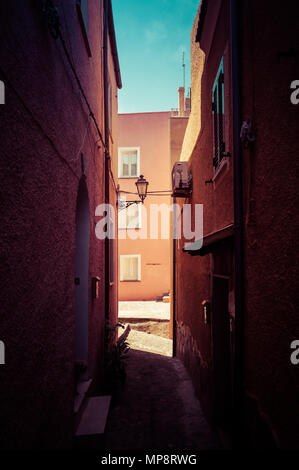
{"points": [[139, 268], [128, 149], [123, 214]]}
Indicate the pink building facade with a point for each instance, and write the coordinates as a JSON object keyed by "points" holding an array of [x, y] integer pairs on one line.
{"points": [[144, 267]]}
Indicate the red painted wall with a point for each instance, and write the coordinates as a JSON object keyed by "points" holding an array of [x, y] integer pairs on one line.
{"points": [[269, 189], [44, 128], [193, 274]]}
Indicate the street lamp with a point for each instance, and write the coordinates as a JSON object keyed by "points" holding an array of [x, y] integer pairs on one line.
{"points": [[142, 185], [142, 192]]}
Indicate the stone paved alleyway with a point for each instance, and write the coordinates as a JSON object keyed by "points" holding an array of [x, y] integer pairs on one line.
{"points": [[157, 408]]}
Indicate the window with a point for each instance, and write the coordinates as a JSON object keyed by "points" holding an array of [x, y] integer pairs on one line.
{"points": [[218, 116], [130, 217], [128, 162], [82, 10], [130, 267], [83, 4]]}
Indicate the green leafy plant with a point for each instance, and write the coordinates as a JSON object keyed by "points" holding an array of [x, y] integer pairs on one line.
{"points": [[115, 357]]}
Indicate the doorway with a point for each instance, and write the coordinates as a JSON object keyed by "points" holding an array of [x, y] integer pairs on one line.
{"points": [[222, 374], [81, 277]]}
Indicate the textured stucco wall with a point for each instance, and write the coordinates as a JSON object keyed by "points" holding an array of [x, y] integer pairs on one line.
{"points": [[270, 226], [177, 129], [194, 124], [271, 205], [44, 128], [113, 142], [149, 131], [193, 277]]}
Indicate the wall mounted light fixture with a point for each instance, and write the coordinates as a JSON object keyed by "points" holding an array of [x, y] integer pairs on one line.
{"points": [[142, 185], [142, 192]]}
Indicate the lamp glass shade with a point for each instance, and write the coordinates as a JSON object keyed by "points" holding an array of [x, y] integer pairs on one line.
{"points": [[142, 185]]}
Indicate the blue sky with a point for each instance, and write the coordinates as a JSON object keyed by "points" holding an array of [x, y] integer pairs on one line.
{"points": [[151, 36]]}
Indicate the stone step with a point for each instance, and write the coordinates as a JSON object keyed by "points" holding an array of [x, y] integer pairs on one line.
{"points": [[150, 343], [82, 390], [94, 417]]}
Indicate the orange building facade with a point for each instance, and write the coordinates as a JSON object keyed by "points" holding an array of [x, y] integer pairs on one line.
{"points": [[143, 231]]}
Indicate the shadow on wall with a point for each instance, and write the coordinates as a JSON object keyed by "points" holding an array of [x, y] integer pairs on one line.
{"points": [[81, 274]]}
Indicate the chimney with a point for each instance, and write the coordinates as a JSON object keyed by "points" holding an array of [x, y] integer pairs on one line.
{"points": [[187, 106], [181, 91]]}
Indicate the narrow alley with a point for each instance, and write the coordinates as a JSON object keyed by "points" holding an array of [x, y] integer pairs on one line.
{"points": [[149, 225], [157, 408], [149, 324]]}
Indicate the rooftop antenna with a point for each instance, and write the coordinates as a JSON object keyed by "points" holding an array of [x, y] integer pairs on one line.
{"points": [[184, 66]]}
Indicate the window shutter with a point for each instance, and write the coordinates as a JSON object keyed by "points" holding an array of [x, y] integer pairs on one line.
{"points": [[128, 162], [125, 165], [133, 216], [122, 218], [221, 115], [218, 116], [126, 268], [84, 9], [134, 268], [215, 112], [133, 171], [129, 268], [122, 212], [129, 217]]}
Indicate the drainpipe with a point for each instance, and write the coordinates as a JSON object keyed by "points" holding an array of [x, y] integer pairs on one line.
{"points": [[107, 157], [174, 281], [238, 408]]}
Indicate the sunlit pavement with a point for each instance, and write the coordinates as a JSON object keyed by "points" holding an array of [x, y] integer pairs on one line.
{"points": [[144, 309], [150, 343]]}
